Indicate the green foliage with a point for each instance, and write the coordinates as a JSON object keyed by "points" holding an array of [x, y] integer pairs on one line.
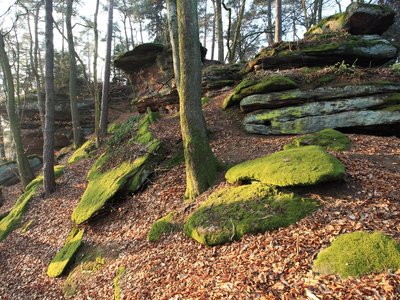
{"points": [[166, 224], [329, 139], [395, 68], [342, 68], [230, 213], [83, 152], [117, 289], [66, 254], [9, 222], [266, 85], [358, 253], [306, 165]]}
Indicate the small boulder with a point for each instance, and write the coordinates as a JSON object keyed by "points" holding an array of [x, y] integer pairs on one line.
{"points": [[302, 166], [368, 18], [358, 253], [230, 213]]}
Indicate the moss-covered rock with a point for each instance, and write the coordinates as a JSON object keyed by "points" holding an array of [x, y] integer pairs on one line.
{"points": [[83, 151], [105, 182], [249, 87], [306, 165], [11, 220], [358, 253], [329, 25], [117, 288], [329, 139], [66, 254], [230, 213], [166, 224]]}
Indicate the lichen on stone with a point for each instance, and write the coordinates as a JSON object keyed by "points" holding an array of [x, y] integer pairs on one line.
{"points": [[358, 253], [329, 139], [302, 166], [66, 254], [230, 213]]}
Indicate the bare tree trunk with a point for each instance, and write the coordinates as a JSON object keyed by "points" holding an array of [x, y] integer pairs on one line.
{"points": [[24, 169], [270, 36], [306, 21], [320, 5], [278, 21], [73, 94], [213, 33], [228, 34], [232, 53], [95, 83], [201, 164], [48, 148], [37, 65], [173, 33], [205, 25], [107, 71], [220, 34]]}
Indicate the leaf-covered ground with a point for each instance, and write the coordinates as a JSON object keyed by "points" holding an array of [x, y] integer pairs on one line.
{"points": [[274, 265]]}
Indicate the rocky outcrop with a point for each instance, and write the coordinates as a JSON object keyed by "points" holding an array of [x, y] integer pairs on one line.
{"points": [[9, 171]]}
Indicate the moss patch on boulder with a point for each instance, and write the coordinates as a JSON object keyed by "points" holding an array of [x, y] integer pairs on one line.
{"points": [[329, 139], [358, 253], [329, 25], [166, 224], [230, 213], [266, 85], [9, 222], [302, 166], [107, 178], [66, 254], [82, 152]]}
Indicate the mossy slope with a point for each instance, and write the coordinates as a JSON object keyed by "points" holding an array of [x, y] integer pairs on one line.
{"points": [[230, 213], [11, 220], [82, 152], [66, 254], [300, 166], [249, 87], [104, 184], [358, 253], [329, 139], [166, 224]]}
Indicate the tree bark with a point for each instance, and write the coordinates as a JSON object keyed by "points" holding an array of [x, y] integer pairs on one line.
{"points": [[24, 169], [232, 53], [48, 148], [213, 33], [270, 36], [107, 71], [173, 33], [220, 34], [201, 164], [73, 93], [95, 83], [278, 21]]}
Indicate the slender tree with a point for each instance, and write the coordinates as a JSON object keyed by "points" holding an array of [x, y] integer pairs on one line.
{"points": [[220, 34], [107, 69], [173, 33], [48, 148], [95, 83], [73, 78], [235, 41], [278, 21], [24, 169], [201, 164]]}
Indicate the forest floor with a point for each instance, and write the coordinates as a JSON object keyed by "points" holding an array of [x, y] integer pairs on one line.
{"points": [[274, 265]]}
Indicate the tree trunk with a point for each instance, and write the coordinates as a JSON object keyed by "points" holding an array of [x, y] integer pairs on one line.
{"points": [[107, 71], [24, 169], [73, 94], [201, 164], [205, 25], [232, 53], [37, 66], [270, 36], [213, 33], [48, 148], [173, 33], [228, 33], [278, 21], [220, 34], [95, 83]]}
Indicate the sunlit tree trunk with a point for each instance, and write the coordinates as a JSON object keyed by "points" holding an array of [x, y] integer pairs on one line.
{"points": [[73, 78], [213, 33], [24, 169], [278, 21], [220, 34], [173, 33], [201, 164], [95, 83], [232, 53], [107, 69], [48, 148], [270, 36]]}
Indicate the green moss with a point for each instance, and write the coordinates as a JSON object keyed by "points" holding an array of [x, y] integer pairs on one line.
{"points": [[11, 220], [358, 253], [204, 101], [66, 254], [392, 108], [166, 224], [113, 127], [392, 99], [117, 289], [176, 159], [395, 68], [103, 185], [329, 139], [123, 131], [331, 24], [267, 85], [230, 213], [25, 228], [300, 166], [82, 152]]}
